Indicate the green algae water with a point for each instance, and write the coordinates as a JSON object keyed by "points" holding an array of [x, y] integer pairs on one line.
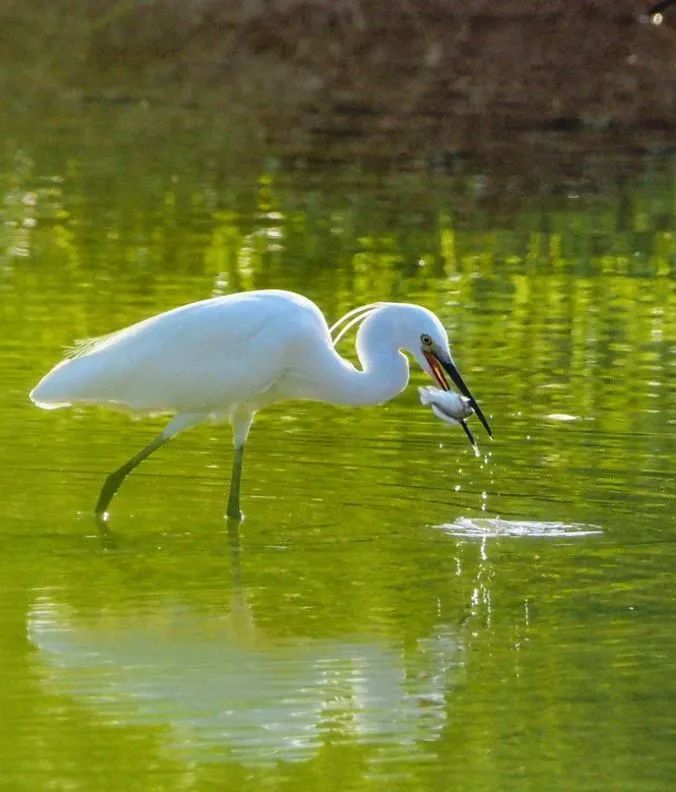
{"points": [[393, 613]]}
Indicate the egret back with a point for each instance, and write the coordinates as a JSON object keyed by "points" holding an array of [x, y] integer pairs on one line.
{"points": [[199, 358]]}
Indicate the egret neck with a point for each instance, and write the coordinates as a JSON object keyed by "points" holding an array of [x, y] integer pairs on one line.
{"points": [[385, 369]]}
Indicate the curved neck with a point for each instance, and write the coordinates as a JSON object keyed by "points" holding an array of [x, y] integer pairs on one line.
{"points": [[384, 371]]}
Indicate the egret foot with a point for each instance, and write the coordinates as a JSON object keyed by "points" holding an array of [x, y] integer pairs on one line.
{"points": [[108, 540]]}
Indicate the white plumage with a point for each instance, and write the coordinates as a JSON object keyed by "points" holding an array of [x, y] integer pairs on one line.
{"points": [[227, 357], [202, 357]]}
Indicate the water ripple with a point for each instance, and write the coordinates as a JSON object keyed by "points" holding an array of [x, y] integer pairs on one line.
{"points": [[482, 528]]}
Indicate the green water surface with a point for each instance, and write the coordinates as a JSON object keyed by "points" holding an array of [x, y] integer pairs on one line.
{"points": [[393, 613]]}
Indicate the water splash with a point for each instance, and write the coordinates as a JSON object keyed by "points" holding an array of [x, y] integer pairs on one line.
{"points": [[481, 528]]}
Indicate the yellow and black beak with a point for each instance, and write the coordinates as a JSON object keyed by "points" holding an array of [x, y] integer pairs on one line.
{"points": [[439, 365]]}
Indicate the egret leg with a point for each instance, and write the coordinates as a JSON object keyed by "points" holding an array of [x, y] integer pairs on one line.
{"points": [[114, 481], [233, 511]]}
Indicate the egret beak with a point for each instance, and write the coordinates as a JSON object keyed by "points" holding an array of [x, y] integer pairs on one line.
{"points": [[470, 436], [439, 366]]}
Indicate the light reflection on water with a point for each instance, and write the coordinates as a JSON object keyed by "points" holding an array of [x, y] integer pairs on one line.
{"points": [[384, 619], [496, 527]]}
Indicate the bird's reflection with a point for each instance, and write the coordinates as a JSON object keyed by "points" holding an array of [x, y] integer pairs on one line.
{"points": [[225, 686]]}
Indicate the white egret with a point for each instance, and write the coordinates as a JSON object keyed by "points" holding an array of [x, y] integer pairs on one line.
{"points": [[227, 357]]}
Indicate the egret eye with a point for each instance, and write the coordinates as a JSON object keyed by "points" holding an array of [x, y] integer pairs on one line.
{"points": [[426, 340]]}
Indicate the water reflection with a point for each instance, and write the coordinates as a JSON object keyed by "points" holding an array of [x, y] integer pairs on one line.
{"points": [[226, 688], [356, 626]]}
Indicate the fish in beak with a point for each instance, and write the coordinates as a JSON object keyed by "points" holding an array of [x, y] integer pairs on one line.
{"points": [[440, 366], [449, 407]]}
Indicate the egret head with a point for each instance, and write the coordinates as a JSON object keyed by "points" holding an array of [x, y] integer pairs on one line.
{"points": [[413, 329], [428, 343]]}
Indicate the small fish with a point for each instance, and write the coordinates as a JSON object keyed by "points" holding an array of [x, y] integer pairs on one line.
{"points": [[450, 407], [447, 405]]}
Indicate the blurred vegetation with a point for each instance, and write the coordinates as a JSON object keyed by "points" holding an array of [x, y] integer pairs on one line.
{"points": [[436, 75], [582, 276]]}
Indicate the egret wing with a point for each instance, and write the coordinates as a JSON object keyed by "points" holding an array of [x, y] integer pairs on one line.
{"points": [[198, 358]]}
